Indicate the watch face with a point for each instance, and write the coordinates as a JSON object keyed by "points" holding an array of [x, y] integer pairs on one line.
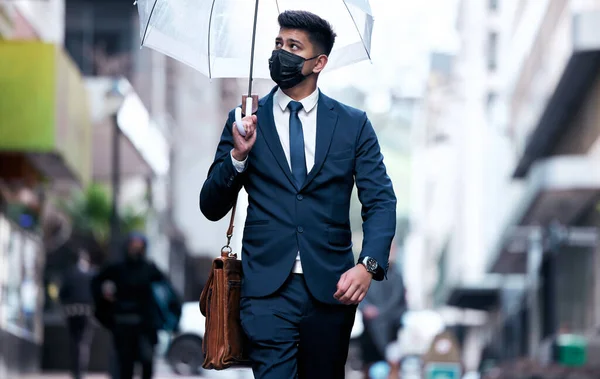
{"points": [[371, 264]]}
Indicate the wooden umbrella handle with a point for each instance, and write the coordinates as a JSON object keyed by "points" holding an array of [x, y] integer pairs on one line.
{"points": [[247, 106]]}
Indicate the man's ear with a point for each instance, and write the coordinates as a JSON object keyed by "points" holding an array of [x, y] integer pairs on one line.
{"points": [[321, 63]]}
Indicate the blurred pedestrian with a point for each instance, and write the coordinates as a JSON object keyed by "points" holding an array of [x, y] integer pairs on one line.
{"points": [[382, 311], [76, 298], [126, 306]]}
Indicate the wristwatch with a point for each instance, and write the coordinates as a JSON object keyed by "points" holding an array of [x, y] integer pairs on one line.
{"points": [[370, 264]]}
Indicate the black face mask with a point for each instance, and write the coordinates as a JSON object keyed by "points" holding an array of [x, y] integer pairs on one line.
{"points": [[286, 68]]}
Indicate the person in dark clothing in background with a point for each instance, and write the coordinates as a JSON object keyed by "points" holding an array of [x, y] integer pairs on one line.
{"points": [[125, 305], [382, 311], [76, 298]]}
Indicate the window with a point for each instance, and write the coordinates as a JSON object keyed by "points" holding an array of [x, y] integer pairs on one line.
{"points": [[493, 5], [75, 43], [492, 47], [491, 101], [100, 38]]}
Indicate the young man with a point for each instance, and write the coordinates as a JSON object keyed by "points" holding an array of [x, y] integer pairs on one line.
{"points": [[301, 156]]}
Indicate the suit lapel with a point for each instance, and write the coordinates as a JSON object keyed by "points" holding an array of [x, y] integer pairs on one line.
{"points": [[266, 126], [326, 123]]}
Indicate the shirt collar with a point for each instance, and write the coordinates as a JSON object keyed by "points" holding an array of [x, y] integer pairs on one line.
{"points": [[308, 103]]}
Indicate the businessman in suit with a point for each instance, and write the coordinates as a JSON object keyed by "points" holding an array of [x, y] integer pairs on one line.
{"points": [[299, 160]]}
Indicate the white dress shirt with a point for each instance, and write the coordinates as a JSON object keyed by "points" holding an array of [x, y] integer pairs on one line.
{"points": [[281, 115]]}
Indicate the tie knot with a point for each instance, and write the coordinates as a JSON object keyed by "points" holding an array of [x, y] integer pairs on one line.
{"points": [[294, 106]]}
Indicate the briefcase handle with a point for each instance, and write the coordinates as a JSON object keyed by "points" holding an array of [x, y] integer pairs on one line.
{"points": [[227, 251]]}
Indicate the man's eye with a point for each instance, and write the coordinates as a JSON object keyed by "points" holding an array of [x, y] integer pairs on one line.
{"points": [[294, 46], [278, 44]]}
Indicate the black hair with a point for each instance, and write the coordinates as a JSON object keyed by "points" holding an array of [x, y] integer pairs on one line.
{"points": [[320, 32]]}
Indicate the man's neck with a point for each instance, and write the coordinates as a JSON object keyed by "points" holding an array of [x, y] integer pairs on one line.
{"points": [[301, 91]]}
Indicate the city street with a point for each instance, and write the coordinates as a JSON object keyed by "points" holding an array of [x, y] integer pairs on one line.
{"points": [[223, 375], [165, 373], [436, 159], [162, 372]]}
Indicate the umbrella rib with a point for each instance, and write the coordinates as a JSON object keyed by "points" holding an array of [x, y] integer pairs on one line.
{"points": [[358, 31], [148, 22], [277, 5], [212, 8]]}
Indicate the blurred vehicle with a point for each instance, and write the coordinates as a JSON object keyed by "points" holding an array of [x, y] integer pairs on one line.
{"points": [[184, 351]]}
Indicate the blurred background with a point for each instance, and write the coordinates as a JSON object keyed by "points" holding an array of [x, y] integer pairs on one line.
{"points": [[488, 114]]}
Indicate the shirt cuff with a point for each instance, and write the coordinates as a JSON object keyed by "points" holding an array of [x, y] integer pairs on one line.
{"points": [[240, 166]]}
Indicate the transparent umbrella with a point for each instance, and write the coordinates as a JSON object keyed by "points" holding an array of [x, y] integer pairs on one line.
{"points": [[235, 38]]}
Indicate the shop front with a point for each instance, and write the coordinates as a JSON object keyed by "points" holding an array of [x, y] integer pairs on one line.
{"points": [[553, 241], [21, 296], [46, 140]]}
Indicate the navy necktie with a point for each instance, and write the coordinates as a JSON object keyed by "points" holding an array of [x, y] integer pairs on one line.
{"points": [[297, 159]]}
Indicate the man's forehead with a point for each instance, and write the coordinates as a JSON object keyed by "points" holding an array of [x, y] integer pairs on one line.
{"points": [[293, 34]]}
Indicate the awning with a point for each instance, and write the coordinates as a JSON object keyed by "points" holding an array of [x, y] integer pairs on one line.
{"points": [[484, 294], [479, 298], [558, 189], [573, 87], [44, 109], [143, 149]]}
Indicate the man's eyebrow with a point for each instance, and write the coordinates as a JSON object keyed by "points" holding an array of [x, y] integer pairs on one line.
{"points": [[295, 41]]}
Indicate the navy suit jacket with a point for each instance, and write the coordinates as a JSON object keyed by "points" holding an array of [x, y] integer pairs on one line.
{"points": [[313, 219]]}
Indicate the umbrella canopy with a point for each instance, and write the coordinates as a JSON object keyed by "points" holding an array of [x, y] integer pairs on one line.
{"points": [[215, 36]]}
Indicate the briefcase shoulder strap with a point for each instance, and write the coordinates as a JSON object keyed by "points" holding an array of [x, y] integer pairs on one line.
{"points": [[226, 253], [229, 232]]}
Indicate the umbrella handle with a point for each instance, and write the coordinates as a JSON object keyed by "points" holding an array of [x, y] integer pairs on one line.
{"points": [[238, 121], [248, 106], [238, 116]]}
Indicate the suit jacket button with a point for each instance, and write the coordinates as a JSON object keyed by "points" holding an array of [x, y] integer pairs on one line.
{"points": [[299, 197], [300, 229]]}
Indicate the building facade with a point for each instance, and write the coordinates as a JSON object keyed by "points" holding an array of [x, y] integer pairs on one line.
{"points": [[527, 78], [44, 133]]}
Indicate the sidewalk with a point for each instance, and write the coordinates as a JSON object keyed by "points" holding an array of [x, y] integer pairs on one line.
{"points": [[212, 375], [161, 374], [89, 376], [161, 371]]}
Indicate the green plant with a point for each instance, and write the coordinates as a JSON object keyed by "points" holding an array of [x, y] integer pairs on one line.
{"points": [[131, 220], [90, 212]]}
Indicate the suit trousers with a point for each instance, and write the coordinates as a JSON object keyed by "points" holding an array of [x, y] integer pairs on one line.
{"points": [[292, 335]]}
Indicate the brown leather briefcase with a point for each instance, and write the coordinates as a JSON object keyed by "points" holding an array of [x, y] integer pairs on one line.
{"points": [[224, 340]]}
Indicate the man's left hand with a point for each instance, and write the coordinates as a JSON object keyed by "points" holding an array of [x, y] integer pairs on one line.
{"points": [[353, 285]]}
